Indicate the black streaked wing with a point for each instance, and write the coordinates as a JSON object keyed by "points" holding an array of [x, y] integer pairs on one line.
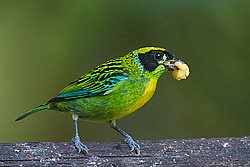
{"points": [[99, 81]]}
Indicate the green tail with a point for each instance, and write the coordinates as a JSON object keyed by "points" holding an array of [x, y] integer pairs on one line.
{"points": [[39, 108]]}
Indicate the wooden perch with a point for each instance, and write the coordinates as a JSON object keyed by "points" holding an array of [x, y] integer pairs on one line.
{"points": [[227, 151]]}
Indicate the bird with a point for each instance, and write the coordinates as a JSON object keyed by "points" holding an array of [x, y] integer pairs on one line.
{"points": [[114, 90]]}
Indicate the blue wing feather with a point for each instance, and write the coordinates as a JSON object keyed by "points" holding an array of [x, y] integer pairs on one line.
{"points": [[99, 81]]}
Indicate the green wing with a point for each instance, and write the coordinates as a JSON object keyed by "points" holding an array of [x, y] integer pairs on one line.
{"points": [[99, 81]]}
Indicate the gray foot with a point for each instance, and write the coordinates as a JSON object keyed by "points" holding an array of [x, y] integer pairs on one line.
{"points": [[79, 145], [132, 144]]}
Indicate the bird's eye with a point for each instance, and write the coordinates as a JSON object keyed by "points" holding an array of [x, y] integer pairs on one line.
{"points": [[158, 56]]}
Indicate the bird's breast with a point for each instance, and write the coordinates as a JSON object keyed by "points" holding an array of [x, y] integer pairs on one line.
{"points": [[144, 98], [148, 93]]}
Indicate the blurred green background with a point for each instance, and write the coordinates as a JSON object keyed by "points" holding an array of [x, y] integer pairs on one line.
{"points": [[44, 45]]}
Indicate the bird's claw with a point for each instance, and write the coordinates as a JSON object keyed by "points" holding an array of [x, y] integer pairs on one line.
{"points": [[132, 144], [79, 145]]}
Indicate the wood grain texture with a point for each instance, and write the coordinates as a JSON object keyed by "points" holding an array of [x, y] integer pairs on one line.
{"points": [[226, 151]]}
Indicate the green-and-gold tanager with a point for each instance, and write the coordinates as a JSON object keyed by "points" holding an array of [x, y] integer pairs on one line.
{"points": [[115, 89]]}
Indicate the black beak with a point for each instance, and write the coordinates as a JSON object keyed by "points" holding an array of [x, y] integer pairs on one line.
{"points": [[169, 64]]}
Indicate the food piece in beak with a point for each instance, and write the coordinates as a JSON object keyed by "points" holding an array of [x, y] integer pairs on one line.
{"points": [[181, 70]]}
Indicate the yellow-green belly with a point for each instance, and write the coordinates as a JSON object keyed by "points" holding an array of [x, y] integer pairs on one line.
{"points": [[126, 98]]}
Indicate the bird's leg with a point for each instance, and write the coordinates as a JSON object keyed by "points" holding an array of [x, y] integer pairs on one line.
{"points": [[76, 140], [128, 139]]}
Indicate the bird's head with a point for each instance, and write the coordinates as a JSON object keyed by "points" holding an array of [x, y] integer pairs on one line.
{"points": [[153, 61]]}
